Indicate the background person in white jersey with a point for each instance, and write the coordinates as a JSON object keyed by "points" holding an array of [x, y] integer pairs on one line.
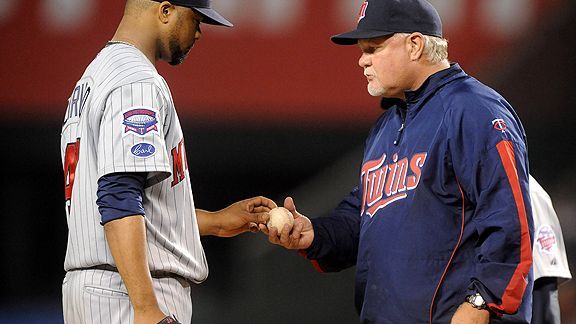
{"points": [[550, 262], [134, 233]]}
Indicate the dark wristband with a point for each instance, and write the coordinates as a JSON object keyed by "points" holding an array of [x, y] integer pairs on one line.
{"points": [[169, 320]]}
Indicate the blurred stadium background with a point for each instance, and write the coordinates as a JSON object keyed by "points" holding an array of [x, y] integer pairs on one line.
{"points": [[271, 108]]}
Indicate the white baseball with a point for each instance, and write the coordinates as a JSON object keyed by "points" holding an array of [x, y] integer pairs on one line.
{"points": [[279, 217]]}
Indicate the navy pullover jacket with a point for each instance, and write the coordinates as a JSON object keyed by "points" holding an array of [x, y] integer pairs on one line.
{"points": [[442, 210]]}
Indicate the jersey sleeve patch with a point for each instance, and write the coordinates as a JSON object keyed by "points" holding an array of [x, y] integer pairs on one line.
{"points": [[140, 121], [143, 150], [546, 239], [499, 124]]}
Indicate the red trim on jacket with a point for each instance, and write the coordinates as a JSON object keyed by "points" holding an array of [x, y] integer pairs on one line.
{"points": [[515, 290], [315, 263], [453, 252]]}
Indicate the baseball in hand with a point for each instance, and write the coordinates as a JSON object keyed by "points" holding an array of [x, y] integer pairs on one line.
{"points": [[278, 217]]}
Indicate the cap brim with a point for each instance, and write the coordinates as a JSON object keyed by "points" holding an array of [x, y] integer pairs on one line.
{"points": [[212, 17], [352, 37]]}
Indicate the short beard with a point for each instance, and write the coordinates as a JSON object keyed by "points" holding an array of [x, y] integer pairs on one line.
{"points": [[178, 55], [375, 92]]}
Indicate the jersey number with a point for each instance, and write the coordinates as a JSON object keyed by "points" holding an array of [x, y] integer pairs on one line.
{"points": [[70, 161]]}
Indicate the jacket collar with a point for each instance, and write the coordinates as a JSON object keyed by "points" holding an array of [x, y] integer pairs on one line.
{"points": [[433, 83], [387, 103]]}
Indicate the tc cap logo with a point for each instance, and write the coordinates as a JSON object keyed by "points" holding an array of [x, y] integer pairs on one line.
{"points": [[362, 12]]}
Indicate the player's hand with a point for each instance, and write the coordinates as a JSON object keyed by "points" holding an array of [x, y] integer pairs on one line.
{"points": [[467, 314], [302, 233], [243, 216]]}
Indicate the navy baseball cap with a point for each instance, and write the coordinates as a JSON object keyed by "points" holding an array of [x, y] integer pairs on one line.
{"points": [[385, 17], [204, 8]]}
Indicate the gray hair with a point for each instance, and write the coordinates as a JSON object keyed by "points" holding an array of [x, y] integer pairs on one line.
{"points": [[435, 48]]}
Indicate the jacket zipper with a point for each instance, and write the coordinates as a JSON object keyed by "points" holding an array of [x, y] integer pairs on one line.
{"points": [[401, 129]]}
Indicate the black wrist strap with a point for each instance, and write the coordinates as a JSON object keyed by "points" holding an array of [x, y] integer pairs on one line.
{"points": [[169, 320]]}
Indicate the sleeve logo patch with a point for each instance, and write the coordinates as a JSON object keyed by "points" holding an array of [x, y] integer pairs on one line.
{"points": [[143, 150], [499, 124], [546, 239], [140, 121]]}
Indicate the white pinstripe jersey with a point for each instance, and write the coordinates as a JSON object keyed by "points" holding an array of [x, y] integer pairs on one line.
{"points": [[550, 258], [121, 118]]}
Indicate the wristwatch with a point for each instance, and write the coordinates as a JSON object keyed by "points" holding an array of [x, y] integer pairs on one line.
{"points": [[477, 301]]}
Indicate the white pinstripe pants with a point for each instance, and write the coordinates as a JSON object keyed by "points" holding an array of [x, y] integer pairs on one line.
{"points": [[99, 296]]}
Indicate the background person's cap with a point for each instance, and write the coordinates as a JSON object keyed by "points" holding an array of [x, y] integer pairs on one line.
{"points": [[204, 8], [385, 17]]}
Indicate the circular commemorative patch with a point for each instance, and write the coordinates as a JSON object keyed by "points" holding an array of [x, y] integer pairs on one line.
{"points": [[546, 239]]}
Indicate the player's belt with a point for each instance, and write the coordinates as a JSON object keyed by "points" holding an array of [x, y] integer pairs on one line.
{"points": [[157, 274]]}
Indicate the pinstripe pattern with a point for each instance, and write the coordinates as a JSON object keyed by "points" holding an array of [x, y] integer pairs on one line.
{"points": [[121, 79], [99, 296]]}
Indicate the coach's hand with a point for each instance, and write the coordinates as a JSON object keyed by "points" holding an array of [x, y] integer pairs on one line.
{"points": [[467, 314], [302, 233], [240, 217]]}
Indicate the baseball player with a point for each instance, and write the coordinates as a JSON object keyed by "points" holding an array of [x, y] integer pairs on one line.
{"points": [[134, 232], [550, 261], [440, 226]]}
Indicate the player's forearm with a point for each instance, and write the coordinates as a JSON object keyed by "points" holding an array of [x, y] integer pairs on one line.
{"points": [[241, 216], [127, 240], [206, 222]]}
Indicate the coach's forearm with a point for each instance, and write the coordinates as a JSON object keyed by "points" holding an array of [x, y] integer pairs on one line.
{"points": [[127, 240]]}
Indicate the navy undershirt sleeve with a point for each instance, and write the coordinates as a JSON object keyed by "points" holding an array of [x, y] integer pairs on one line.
{"points": [[336, 237], [120, 195]]}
